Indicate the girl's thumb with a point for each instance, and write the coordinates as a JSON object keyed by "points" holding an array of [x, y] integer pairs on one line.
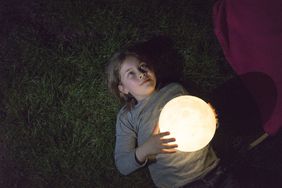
{"points": [[156, 129]]}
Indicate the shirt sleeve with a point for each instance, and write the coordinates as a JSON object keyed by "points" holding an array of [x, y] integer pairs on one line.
{"points": [[125, 146]]}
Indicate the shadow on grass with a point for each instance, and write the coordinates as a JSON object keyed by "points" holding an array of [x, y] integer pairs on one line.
{"points": [[241, 119]]}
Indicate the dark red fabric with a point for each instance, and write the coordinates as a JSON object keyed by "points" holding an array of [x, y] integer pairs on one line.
{"points": [[250, 33]]}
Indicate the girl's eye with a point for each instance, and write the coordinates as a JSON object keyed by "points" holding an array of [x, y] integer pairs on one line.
{"points": [[144, 67], [131, 73]]}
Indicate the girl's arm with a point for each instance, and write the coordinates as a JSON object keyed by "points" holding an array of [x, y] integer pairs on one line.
{"points": [[128, 157], [125, 147], [125, 150]]}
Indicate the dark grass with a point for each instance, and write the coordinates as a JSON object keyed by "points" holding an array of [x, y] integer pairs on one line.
{"points": [[57, 118]]}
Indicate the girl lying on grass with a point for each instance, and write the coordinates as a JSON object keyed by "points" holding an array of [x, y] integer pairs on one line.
{"points": [[131, 77]]}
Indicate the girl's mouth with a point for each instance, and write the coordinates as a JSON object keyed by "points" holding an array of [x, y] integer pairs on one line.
{"points": [[145, 81]]}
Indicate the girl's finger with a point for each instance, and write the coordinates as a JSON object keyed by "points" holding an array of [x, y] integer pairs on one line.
{"points": [[167, 140], [167, 151], [169, 146], [164, 134]]}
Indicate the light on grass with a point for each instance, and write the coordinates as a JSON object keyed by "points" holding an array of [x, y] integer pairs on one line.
{"points": [[190, 120]]}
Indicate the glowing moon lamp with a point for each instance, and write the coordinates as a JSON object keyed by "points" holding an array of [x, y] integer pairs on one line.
{"points": [[190, 120]]}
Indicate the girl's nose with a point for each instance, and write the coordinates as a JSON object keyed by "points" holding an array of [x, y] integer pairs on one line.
{"points": [[142, 75]]}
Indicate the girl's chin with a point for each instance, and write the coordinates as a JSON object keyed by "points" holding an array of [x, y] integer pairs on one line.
{"points": [[147, 93]]}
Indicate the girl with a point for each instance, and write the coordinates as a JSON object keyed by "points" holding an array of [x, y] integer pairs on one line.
{"points": [[131, 77]]}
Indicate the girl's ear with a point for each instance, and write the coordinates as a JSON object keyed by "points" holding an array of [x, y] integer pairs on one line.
{"points": [[122, 89]]}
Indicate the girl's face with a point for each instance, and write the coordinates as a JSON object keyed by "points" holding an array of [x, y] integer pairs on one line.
{"points": [[136, 78]]}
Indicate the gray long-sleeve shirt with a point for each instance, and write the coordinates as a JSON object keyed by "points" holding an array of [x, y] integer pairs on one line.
{"points": [[134, 127]]}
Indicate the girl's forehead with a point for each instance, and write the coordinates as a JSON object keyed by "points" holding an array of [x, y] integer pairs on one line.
{"points": [[129, 62]]}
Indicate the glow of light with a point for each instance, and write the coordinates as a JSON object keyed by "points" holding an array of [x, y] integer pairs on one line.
{"points": [[190, 120]]}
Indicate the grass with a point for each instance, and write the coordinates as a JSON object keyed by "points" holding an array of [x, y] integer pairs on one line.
{"points": [[57, 118]]}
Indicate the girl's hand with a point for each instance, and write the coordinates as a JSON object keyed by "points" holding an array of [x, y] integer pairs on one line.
{"points": [[156, 144]]}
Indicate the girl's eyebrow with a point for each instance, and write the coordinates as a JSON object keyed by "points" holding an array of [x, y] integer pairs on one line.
{"points": [[129, 69]]}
